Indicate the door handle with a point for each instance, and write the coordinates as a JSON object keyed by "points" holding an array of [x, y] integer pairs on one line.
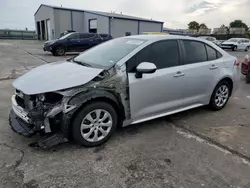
{"points": [[78, 41], [213, 67], [179, 74]]}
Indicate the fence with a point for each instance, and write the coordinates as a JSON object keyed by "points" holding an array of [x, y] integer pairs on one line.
{"points": [[17, 34]]}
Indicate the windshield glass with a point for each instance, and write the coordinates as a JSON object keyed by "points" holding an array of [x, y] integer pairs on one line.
{"points": [[109, 53], [233, 40], [66, 36]]}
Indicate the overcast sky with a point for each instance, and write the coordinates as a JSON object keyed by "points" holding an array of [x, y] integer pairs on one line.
{"points": [[175, 13]]}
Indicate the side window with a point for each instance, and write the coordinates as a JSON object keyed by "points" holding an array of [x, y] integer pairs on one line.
{"points": [[74, 36], [163, 54], [86, 35], [219, 55], [211, 53], [195, 51], [166, 54]]}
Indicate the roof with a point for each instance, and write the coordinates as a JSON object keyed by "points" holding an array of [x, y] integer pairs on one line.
{"points": [[106, 14], [160, 37]]}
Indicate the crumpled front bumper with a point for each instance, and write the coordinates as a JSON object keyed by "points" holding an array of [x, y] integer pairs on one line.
{"points": [[20, 126], [19, 120]]}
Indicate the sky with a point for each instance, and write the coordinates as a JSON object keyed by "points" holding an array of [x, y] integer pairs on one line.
{"points": [[175, 13]]}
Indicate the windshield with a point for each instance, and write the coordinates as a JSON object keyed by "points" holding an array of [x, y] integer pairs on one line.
{"points": [[109, 53], [66, 36], [233, 40]]}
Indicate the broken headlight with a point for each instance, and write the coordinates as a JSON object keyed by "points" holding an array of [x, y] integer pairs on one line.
{"points": [[51, 98]]}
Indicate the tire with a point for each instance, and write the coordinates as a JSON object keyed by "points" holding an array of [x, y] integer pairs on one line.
{"points": [[84, 134], [234, 48], [59, 51], [219, 100], [247, 48]]}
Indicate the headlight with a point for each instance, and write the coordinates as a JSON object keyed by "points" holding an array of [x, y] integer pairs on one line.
{"points": [[41, 97]]}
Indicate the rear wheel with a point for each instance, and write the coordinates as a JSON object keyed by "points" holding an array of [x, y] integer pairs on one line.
{"points": [[234, 48], [247, 48], [94, 124], [220, 96]]}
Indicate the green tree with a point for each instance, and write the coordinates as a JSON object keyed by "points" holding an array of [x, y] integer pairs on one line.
{"points": [[194, 25], [238, 23], [203, 26]]}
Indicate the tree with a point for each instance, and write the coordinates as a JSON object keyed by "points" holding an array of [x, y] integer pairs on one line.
{"points": [[223, 26], [238, 23], [194, 25], [203, 26]]}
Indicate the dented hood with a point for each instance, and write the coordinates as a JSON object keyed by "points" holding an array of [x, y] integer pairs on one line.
{"points": [[55, 76]]}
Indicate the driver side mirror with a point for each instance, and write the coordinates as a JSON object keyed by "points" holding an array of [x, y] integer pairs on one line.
{"points": [[145, 68]]}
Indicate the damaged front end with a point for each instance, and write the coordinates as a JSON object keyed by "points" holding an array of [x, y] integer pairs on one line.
{"points": [[39, 114], [50, 114]]}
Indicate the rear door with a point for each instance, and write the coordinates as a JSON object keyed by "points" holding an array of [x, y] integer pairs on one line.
{"points": [[159, 92], [94, 40], [201, 67], [85, 40]]}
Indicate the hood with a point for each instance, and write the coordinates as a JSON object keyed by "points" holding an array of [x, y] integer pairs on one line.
{"points": [[55, 76], [50, 41], [228, 42]]}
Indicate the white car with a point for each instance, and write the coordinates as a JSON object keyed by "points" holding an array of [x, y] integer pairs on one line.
{"points": [[236, 44], [123, 81]]}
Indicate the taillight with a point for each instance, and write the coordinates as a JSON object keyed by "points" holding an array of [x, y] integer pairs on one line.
{"points": [[236, 63]]}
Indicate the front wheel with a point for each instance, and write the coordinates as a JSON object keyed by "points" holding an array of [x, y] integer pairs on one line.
{"points": [[247, 48], [220, 96], [234, 48], [59, 51], [94, 124]]}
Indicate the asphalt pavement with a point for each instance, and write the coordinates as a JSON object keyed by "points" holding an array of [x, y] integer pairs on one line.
{"points": [[196, 148]]}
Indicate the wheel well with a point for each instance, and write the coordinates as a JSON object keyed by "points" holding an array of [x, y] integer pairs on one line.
{"points": [[230, 82], [118, 108]]}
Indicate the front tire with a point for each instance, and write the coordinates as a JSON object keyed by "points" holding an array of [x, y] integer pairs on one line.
{"points": [[247, 48], [220, 96], [94, 124], [234, 48], [59, 51]]}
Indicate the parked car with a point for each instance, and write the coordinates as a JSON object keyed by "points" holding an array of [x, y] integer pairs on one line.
{"points": [[105, 37], [244, 65], [72, 42], [115, 84], [208, 38], [236, 44]]}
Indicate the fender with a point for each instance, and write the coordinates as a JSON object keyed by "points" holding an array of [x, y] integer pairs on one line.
{"points": [[82, 98]]}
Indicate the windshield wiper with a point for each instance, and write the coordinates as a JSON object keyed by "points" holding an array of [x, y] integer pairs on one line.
{"points": [[81, 63]]}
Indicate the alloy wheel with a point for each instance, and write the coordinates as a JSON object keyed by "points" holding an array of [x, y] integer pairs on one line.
{"points": [[96, 125], [60, 50], [221, 95]]}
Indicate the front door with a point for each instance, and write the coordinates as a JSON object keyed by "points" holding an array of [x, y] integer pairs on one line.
{"points": [[201, 67], [160, 92], [74, 43], [241, 45]]}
